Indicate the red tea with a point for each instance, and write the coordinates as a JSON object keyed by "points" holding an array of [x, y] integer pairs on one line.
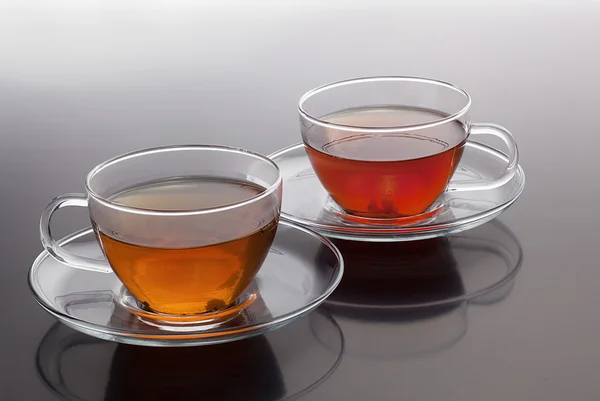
{"points": [[387, 175]]}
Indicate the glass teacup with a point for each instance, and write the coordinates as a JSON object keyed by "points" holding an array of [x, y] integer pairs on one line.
{"points": [[387, 147], [185, 228]]}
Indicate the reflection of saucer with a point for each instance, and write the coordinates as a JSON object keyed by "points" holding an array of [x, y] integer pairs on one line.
{"points": [[78, 367], [300, 271], [306, 202], [407, 298]]}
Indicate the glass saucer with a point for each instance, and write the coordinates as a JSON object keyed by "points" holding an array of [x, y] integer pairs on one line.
{"points": [[77, 367], [300, 271], [413, 296], [306, 202]]}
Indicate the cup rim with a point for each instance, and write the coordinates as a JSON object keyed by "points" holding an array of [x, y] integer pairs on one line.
{"points": [[382, 78], [173, 148]]}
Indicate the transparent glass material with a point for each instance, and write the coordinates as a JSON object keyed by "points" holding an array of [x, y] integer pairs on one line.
{"points": [[305, 201], [444, 105], [300, 271], [183, 260]]}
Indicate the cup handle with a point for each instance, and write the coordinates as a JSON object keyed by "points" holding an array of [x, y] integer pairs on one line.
{"points": [[512, 156], [55, 249]]}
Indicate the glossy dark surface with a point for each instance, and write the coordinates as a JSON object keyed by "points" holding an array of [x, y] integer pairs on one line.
{"points": [[81, 82]]}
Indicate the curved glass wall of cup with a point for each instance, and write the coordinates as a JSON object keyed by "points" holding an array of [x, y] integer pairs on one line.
{"points": [[369, 92], [409, 299], [74, 366]]}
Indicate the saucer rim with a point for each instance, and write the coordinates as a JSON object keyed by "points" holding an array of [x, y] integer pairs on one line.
{"points": [[406, 232], [190, 338]]}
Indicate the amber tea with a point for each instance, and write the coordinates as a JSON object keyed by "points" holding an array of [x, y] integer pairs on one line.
{"points": [[387, 175], [174, 278]]}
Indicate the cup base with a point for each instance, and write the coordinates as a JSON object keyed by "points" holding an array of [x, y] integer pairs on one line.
{"points": [[420, 218], [182, 323]]}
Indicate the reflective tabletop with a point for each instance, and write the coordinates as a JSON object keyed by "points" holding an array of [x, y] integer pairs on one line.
{"points": [[508, 310]]}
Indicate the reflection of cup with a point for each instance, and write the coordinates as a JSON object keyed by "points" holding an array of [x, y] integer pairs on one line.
{"points": [[391, 299], [387, 147], [218, 372], [397, 273], [126, 372], [78, 367], [409, 298], [185, 228]]}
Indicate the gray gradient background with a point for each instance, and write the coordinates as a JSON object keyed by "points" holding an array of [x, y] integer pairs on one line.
{"points": [[81, 81]]}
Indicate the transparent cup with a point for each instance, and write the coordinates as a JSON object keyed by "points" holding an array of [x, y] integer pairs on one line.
{"points": [[387, 147], [187, 261]]}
